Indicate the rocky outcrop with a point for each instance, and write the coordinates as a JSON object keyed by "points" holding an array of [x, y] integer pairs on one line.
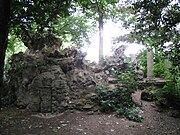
{"points": [[117, 59], [48, 91], [39, 42], [53, 81], [46, 82]]}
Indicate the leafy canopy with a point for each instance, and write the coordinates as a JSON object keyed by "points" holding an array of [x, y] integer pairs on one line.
{"points": [[157, 22], [26, 13]]}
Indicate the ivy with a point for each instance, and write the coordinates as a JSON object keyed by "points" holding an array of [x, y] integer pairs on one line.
{"points": [[118, 101]]}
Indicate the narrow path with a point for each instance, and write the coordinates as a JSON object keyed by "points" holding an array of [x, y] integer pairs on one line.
{"points": [[18, 122]]}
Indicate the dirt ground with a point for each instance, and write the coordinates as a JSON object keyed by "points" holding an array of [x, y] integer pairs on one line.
{"points": [[14, 121]]}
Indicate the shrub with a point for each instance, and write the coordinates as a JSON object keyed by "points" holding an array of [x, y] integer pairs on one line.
{"points": [[127, 77], [159, 69], [118, 101], [171, 91], [131, 113]]}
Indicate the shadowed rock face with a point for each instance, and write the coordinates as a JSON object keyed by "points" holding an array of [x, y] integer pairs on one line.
{"points": [[38, 42], [48, 91], [47, 81]]}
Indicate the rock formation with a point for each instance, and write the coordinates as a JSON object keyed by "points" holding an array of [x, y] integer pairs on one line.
{"points": [[43, 80]]}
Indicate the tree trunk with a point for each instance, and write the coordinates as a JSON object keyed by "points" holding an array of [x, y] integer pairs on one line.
{"points": [[4, 25], [100, 12], [150, 63]]}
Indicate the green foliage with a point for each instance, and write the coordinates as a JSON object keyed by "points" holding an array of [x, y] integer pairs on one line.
{"points": [[171, 91], [163, 68], [112, 99], [131, 113], [57, 17], [177, 80], [161, 63], [99, 10], [128, 38], [15, 45], [159, 69], [118, 101], [25, 13], [76, 30], [127, 77], [151, 93], [156, 17], [92, 8], [142, 61], [169, 95], [157, 24]]}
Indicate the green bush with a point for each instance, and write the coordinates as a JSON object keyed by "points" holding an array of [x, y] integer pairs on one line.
{"points": [[118, 101], [142, 61], [159, 69], [127, 77], [171, 91], [131, 113]]}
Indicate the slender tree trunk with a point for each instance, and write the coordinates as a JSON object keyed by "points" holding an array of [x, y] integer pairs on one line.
{"points": [[100, 12], [4, 25], [150, 63]]}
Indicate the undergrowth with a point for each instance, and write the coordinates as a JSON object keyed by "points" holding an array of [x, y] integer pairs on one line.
{"points": [[118, 101], [171, 90]]}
